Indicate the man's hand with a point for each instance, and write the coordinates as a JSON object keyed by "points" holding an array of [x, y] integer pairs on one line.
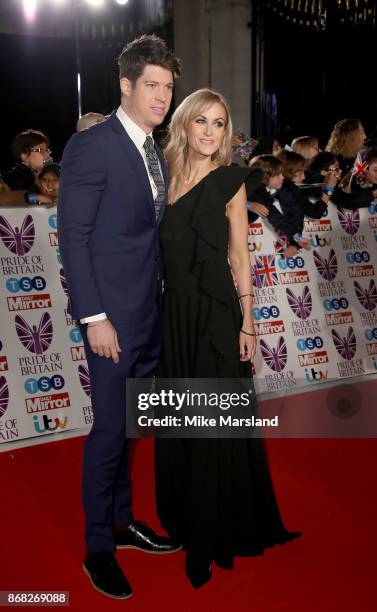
{"points": [[103, 340]]}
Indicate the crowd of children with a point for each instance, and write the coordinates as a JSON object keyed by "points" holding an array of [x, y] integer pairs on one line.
{"points": [[301, 181]]}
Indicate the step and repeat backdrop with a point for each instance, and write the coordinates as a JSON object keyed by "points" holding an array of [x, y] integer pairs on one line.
{"points": [[315, 316]]}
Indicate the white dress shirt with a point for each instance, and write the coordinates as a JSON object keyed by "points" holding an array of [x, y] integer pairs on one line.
{"points": [[276, 201], [138, 137]]}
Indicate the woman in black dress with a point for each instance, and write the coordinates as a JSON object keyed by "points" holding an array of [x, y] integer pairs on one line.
{"points": [[215, 496]]}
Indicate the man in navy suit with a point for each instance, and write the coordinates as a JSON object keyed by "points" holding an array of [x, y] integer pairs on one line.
{"points": [[112, 196]]}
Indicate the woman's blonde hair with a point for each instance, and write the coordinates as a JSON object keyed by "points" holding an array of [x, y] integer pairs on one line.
{"points": [[303, 144], [177, 147], [344, 139]]}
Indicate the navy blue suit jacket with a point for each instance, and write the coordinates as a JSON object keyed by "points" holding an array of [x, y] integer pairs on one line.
{"points": [[108, 233]]}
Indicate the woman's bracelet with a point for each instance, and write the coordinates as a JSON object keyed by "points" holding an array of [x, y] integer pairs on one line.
{"points": [[247, 333], [245, 295]]}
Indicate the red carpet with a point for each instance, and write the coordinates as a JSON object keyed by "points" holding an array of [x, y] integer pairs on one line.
{"points": [[327, 488]]}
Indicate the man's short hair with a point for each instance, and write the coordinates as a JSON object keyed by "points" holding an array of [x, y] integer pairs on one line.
{"points": [[148, 49], [88, 120]]}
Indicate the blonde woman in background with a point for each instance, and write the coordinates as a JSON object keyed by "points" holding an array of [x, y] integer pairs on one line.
{"points": [[307, 146], [346, 140]]}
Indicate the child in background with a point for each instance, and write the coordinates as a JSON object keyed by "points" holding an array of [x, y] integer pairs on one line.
{"points": [[294, 193], [287, 220], [343, 192], [48, 179]]}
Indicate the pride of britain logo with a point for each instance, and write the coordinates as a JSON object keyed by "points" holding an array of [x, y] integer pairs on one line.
{"points": [[345, 345], [367, 296], [18, 240], [4, 395], [275, 357], [301, 305], [327, 267], [349, 220], [35, 339], [84, 379], [63, 281]]}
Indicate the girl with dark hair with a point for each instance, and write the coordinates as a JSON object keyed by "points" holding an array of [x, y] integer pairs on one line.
{"points": [[30, 150]]}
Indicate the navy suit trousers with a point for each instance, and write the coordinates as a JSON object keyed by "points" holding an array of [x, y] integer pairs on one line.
{"points": [[106, 478]]}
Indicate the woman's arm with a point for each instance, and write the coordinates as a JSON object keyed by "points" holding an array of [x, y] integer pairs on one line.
{"points": [[240, 263]]}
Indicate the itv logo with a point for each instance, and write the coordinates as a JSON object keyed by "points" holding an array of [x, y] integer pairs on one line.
{"points": [[45, 424]]}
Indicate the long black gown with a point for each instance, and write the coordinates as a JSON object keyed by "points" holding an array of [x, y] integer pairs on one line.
{"points": [[215, 496]]}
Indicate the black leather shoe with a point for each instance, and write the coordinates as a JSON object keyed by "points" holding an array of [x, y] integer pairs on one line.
{"points": [[106, 576], [139, 535]]}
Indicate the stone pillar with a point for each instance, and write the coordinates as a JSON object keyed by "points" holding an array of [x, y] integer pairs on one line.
{"points": [[191, 45], [213, 40]]}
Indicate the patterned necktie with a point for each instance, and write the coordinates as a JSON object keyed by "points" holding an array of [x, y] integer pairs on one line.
{"points": [[154, 169]]}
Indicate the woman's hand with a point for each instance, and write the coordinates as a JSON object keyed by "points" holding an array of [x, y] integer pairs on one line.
{"points": [[248, 343]]}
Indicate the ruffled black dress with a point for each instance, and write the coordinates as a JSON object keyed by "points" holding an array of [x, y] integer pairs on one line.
{"points": [[215, 496]]}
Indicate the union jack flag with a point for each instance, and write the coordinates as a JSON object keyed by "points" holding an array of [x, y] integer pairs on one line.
{"points": [[359, 166], [264, 271]]}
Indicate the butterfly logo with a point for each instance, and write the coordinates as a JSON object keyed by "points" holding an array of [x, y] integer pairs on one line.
{"points": [[63, 281], [346, 347], [84, 379], [328, 268], [4, 395], [275, 358], [18, 241], [367, 297], [349, 220], [35, 339], [300, 305]]}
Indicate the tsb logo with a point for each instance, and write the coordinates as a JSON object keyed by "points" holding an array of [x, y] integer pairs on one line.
{"points": [[266, 313], [358, 257], [33, 385], [14, 285], [336, 304], [75, 335], [291, 263], [53, 221], [309, 344], [371, 334]]}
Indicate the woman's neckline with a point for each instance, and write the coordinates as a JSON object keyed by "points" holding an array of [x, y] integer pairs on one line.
{"points": [[194, 187]]}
